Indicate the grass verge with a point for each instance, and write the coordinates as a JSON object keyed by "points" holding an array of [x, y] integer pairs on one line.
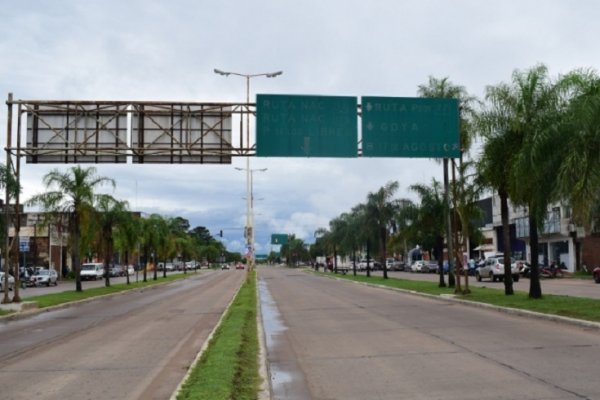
{"points": [[228, 369], [566, 306], [53, 299]]}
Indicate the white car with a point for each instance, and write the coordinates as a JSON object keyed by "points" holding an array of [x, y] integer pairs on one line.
{"points": [[493, 268], [130, 270], [417, 266], [92, 271], [11, 282], [45, 277]]}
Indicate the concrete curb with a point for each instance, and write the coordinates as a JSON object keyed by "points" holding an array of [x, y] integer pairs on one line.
{"points": [[513, 311]]}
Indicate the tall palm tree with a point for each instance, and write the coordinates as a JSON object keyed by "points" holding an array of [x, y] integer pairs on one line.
{"points": [[9, 183], [380, 210], [535, 105], [429, 218], [578, 178], [495, 166], [444, 88], [465, 193], [71, 193], [109, 214], [128, 237]]}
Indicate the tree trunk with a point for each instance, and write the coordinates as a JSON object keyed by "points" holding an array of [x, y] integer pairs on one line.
{"points": [[439, 249], [127, 265], [75, 254], [508, 282], [535, 288], [145, 263], [384, 252], [368, 259], [335, 259]]}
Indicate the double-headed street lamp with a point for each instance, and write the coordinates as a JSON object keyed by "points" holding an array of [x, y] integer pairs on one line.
{"points": [[249, 206]]}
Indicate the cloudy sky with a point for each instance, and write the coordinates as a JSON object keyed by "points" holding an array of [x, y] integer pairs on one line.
{"points": [[167, 50]]}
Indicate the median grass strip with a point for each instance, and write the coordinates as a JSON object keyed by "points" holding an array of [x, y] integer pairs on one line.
{"points": [[53, 299], [228, 369], [566, 306]]}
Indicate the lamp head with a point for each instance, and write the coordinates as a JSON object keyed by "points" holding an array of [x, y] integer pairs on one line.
{"points": [[218, 71], [274, 74]]}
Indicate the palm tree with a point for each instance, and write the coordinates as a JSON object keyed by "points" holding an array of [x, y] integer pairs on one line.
{"points": [[110, 214], [127, 235], [429, 216], [534, 104], [12, 188], [71, 193], [380, 210], [465, 193], [578, 178], [148, 239], [444, 88]]}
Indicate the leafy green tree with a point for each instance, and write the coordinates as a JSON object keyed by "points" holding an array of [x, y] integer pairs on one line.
{"points": [[71, 193]]}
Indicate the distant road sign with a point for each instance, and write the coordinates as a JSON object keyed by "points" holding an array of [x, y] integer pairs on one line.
{"points": [[306, 126], [279, 238], [410, 127]]}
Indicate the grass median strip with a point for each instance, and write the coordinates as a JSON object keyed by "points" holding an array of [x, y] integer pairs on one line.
{"points": [[228, 369], [566, 306]]}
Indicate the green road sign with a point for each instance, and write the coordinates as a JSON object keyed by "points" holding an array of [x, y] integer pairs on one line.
{"points": [[410, 127], [279, 238], [306, 126]]}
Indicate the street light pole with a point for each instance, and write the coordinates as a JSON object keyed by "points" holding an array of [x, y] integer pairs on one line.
{"points": [[249, 219], [250, 211]]}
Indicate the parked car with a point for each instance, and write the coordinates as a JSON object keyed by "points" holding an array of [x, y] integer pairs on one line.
{"points": [[596, 274], [373, 265], [92, 271], [116, 270], [224, 266], [130, 270], [394, 265], [45, 277], [493, 268], [417, 266], [430, 267], [11, 282]]}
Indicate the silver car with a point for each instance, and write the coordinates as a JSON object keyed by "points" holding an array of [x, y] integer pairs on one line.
{"points": [[11, 282], [493, 268], [45, 277]]}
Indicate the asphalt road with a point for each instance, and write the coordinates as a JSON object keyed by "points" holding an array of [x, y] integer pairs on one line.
{"points": [[136, 345], [562, 286], [332, 339]]}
